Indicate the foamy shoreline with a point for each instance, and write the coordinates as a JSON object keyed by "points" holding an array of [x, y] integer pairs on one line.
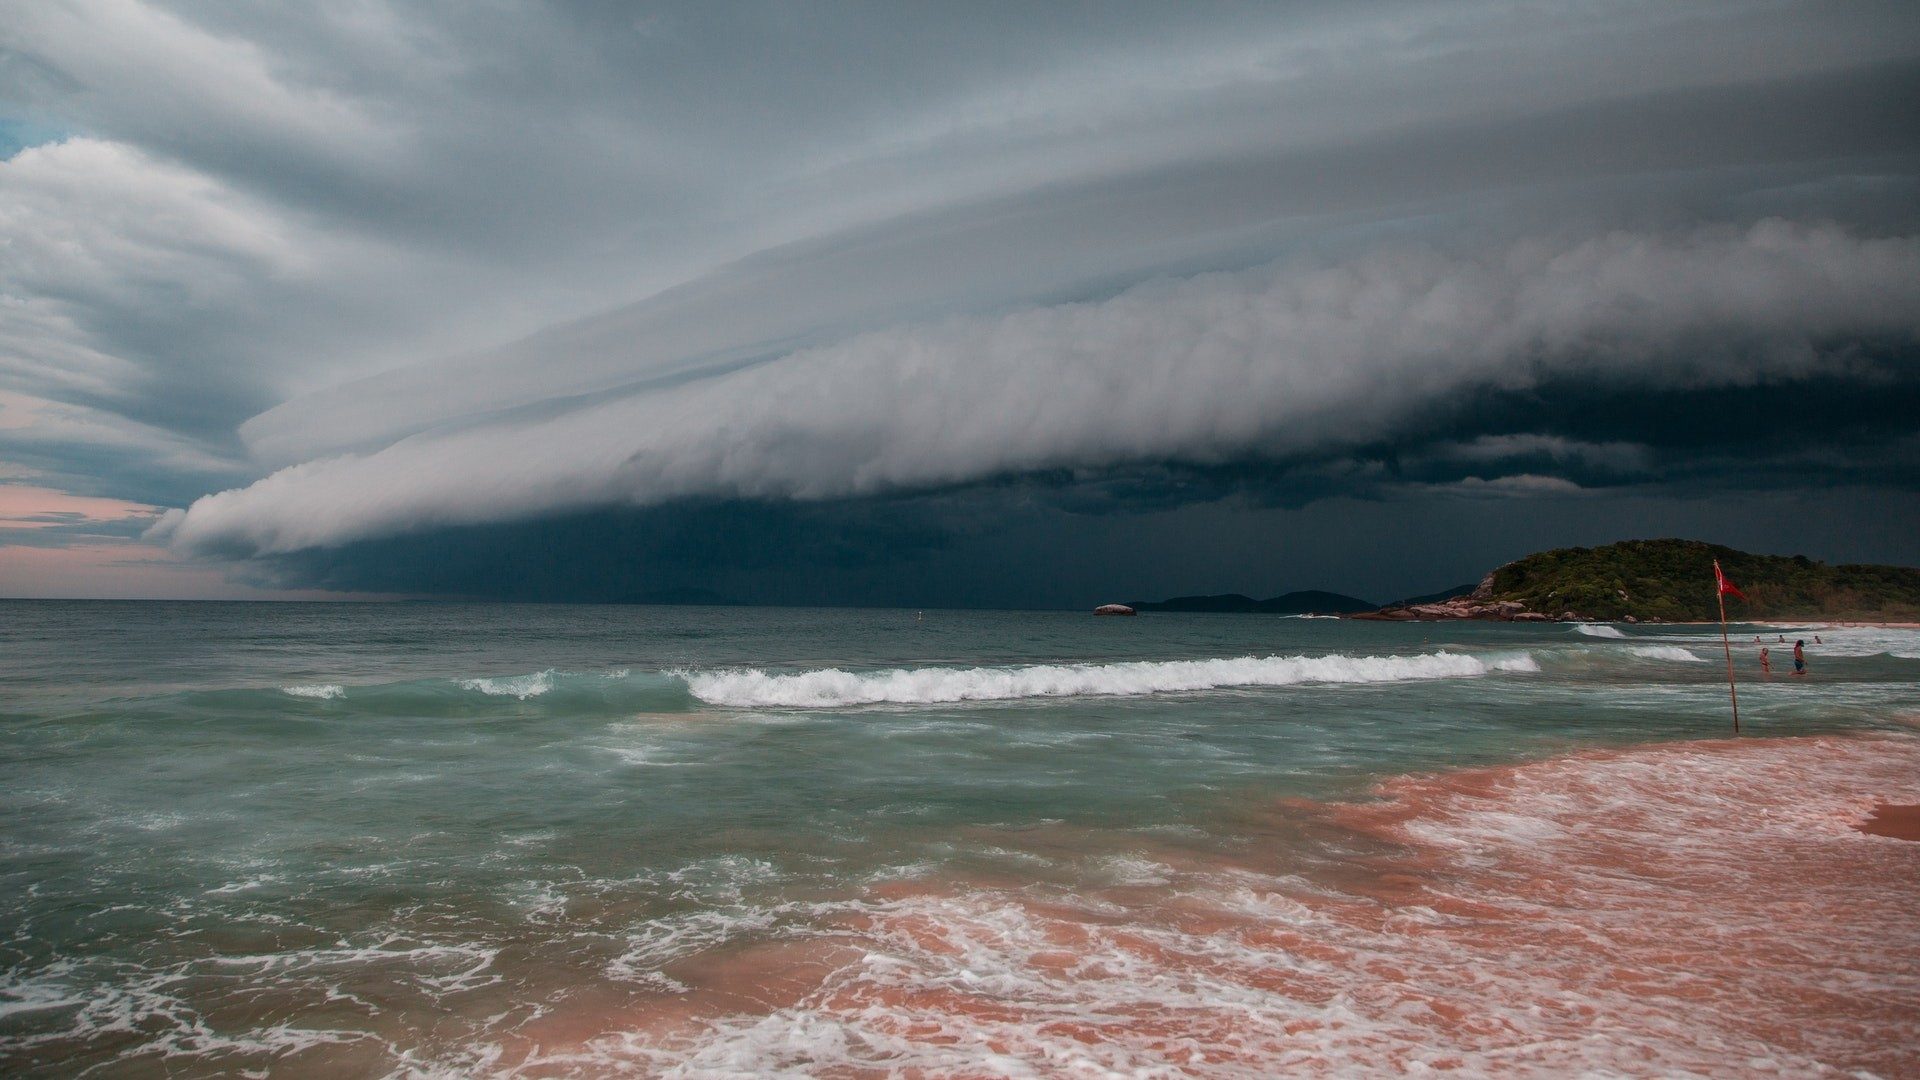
{"points": [[1184, 848], [1613, 911]]}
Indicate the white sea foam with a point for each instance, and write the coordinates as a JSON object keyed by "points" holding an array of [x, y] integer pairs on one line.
{"points": [[1599, 630], [1898, 643], [322, 691], [1666, 652], [445, 967], [646, 755], [657, 942], [1490, 967], [17, 996], [831, 688], [1846, 641], [518, 686], [244, 886]]}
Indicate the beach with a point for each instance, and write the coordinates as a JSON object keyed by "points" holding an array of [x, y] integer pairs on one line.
{"points": [[427, 840], [1683, 910], [1901, 822]]}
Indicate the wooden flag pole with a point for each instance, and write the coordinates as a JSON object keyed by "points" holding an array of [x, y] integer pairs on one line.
{"points": [[1728, 646]]}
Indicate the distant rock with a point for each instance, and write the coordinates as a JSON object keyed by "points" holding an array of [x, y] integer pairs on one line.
{"points": [[1459, 607], [1435, 597], [1114, 609], [1294, 603]]}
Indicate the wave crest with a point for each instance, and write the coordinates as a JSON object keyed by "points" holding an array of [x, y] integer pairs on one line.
{"points": [[320, 691], [1666, 652], [832, 687], [519, 686], [1599, 630]]}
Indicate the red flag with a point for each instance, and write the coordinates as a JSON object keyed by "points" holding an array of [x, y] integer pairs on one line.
{"points": [[1725, 585]]}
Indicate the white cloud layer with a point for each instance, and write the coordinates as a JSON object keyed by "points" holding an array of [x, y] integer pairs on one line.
{"points": [[1294, 356], [95, 227]]}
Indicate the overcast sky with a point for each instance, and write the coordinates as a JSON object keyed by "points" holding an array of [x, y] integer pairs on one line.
{"points": [[973, 304]]}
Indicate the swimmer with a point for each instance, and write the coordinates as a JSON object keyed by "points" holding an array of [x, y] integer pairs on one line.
{"points": [[1800, 657], [1766, 662]]}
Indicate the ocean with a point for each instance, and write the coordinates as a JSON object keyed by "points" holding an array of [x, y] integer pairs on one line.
{"points": [[453, 840]]}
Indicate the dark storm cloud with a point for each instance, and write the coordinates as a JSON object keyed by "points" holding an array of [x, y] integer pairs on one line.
{"points": [[1647, 163], [393, 272], [987, 550], [779, 553], [1292, 358]]}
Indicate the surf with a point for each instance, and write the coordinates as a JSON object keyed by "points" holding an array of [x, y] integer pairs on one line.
{"points": [[835, 688]]}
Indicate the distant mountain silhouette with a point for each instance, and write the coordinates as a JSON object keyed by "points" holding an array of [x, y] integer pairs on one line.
{"points": [[1435, 597], [1293, 603]]}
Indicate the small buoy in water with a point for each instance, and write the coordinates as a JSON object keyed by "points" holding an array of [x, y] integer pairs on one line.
{"points": [[1114, 609]]}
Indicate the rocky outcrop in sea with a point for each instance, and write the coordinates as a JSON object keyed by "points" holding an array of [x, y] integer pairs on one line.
{"points": [[1478, 604]]}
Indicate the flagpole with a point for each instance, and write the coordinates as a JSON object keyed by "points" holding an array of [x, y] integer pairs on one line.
{"points": [[1721, 596]]}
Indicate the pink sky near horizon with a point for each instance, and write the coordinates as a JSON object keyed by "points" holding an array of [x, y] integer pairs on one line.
{"points": [[109, 567], [23, 506]]}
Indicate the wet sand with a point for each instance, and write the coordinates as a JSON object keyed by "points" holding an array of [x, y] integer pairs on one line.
{"points": [[1693, 908], [1902, 822]]}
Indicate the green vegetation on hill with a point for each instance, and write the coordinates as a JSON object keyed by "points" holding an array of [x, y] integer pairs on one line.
{"points": [[1673, 580]]}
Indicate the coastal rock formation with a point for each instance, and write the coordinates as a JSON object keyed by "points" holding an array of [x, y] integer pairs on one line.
{"points": [[1655, 581], [1672, 580], [1480, 604], [1460, 607]]}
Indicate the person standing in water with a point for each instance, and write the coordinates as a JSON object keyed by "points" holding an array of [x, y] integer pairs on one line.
{"points": [[1766, 662], [1800, 657]]}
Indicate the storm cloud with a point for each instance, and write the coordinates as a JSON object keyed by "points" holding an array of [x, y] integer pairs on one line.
{"points": [[395, 274], [1270, 362]]}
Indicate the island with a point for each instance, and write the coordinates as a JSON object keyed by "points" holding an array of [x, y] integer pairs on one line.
{"points": [[1671, 580]]}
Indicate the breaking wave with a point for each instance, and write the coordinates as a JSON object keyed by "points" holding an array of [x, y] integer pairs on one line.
{"points": [[1666, 652], [519, 686], [831, 688], [1851, 641], [1612, 886], [1599, 630], [321, 691]]}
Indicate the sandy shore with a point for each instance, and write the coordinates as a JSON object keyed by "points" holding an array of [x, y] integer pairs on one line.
{"points": [[1599, 913], [1898, 820]]}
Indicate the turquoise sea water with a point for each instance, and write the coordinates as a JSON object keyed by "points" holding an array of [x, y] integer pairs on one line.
{"points": [[314, 839]]}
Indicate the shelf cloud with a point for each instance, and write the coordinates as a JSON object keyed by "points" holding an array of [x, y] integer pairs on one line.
{"points": [[1289, 358], [318, 279]]}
